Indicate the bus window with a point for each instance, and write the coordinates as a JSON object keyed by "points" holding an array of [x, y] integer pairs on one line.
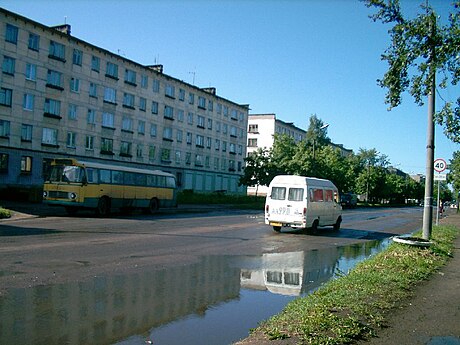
{"points": [[151, 180], [161, 181], [141, 180], [91, 175], [316, 195], [117, 177], [129, 178], [104, 176], [329, 195], [170, 182], [72, 174], [278, 193], [295, 194]]}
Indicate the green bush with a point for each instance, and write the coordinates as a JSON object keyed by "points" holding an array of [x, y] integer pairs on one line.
{"points": [[4, 213]]}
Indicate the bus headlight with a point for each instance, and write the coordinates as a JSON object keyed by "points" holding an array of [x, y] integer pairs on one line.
{"points": [[45, 194], [73, 196]]}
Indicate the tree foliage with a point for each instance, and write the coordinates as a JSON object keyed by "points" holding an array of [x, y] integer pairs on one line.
{"points": [[421, 48]]}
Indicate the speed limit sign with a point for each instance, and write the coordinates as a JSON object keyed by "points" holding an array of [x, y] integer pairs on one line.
{"points": [[440, 165]]}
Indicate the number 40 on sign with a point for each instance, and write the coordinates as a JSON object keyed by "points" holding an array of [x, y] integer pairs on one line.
{"points": [[440, 165]]}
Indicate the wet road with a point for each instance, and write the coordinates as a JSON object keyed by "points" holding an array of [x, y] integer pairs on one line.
{"points": [[131, 279]]}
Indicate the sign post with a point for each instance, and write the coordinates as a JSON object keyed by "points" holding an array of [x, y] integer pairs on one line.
{"points": [[439, 165]]}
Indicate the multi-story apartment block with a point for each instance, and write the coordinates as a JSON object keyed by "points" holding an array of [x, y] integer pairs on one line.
{"points": [[63, 97], [261, 134]]}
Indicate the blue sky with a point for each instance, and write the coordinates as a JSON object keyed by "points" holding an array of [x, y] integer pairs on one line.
{"points": [[293, 58]]}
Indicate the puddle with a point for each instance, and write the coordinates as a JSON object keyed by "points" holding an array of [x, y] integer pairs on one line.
{"points": [[215, 300]]}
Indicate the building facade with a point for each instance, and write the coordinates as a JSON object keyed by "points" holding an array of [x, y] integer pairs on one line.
{"points": [[63, 97], [261, 134]]}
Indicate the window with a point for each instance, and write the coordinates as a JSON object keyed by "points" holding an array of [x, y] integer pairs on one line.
{"points": [[209, 123], [169, 112], [210, 106], [151, 152], [153, 130], [54, 80], [127, 124], [49, 136], [178, 157], [181, 94], [191, 98], [168, 134], [190, 118], [4, 129], [91, 117], [111, 70], [31, 72], [71, 139], [89, 142], [57, 51], [295, 194], [233, 131], [108, 120], [11, 34], [72, 112], [34, 41], [189, 138], [106, 146], [154, 107], [93, 90], [180, 115], [252, 142], [225, 111], [26, 133], [166, 155], [95, 63], [208, 142], [198, 160], [253, 129], [74, 85], [224, 146], [188, 158], [52, 108], [224, 128], [128, 100], [26, 164], [156, 85], [142, 104], [199, 141], [130, 77], [139, 150], [234, 115], [219, 108], [232, 148], [4, 157], [316, 195], [329, 195], [278, 193], [170, 91], [77, 57], [144, 81], [28, 102], [8, 65], [200, 121], [141, 127], [217, 144], [201, 102], [125, 149], [179, 135], [110, 95]]}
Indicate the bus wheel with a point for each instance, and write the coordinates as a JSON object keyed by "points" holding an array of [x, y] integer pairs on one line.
{"points": [[103, 206], [314, 228], [153, 206], [71, 210], [277, 228], [337, 224]]}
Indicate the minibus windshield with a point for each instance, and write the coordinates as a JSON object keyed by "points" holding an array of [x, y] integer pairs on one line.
{"points": [[67, 173]]}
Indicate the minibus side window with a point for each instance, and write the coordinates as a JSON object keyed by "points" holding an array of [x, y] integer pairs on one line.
{"points": [[316, 195], [295, 194], [329, 195], [278, 193]]}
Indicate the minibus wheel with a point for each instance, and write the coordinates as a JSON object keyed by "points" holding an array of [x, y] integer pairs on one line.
{"points": [[103, 206], [277, 228], [337, 224], [314, 227]]}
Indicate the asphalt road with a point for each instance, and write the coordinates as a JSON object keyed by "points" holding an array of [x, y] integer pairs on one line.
{"points": [[53, 249]]}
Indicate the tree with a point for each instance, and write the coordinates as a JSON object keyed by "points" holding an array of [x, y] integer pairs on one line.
{"points": [[317, 132], [257, 169], [420, 48], [454, 175]]}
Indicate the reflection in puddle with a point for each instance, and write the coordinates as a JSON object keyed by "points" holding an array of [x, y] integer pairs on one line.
{"points": [[215, 300]]}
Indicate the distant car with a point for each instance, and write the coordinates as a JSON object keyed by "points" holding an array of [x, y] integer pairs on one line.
{"points": [[349, 200]]}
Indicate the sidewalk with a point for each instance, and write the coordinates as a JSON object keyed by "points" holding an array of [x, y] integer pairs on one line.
{"points": [[432, 316]]}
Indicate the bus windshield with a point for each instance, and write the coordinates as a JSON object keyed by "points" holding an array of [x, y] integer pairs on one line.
{"points": [[67, 173]]}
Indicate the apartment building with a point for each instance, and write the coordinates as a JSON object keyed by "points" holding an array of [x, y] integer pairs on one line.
{"points": [[261, 134], [63, 97]]}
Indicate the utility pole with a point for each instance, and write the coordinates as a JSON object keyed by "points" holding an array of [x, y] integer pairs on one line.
{"points": [[428, 204]]}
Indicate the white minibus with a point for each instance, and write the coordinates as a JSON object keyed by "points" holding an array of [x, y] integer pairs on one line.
{"points": [[302, 202]]}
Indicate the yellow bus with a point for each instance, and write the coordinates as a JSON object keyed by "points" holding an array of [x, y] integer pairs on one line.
{"points": [[87, 185]]}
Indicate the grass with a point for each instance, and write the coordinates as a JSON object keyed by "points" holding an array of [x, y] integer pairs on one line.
{"points": [[353, 306], [4, 213]]}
